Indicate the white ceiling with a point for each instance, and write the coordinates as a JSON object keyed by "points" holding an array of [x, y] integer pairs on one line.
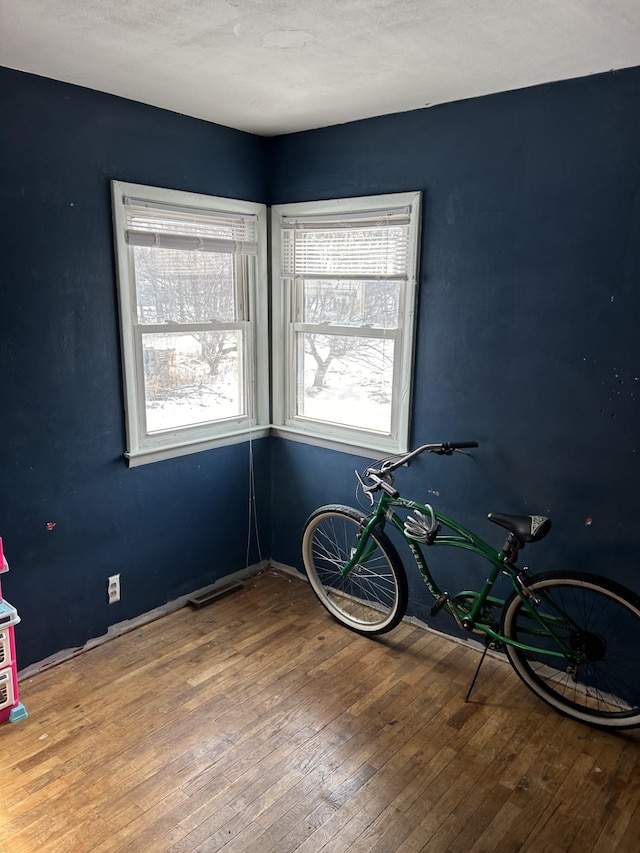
{"points": [[276, 66]]}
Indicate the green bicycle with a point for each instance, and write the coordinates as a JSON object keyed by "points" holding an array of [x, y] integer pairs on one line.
{"points": [[573, 638]]}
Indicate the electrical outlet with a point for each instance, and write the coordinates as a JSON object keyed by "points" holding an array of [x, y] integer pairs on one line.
{"points": [[113, 588]]}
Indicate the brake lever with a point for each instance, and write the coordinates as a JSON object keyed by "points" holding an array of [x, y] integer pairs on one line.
{"points": [[390, 465], [366, 489]]}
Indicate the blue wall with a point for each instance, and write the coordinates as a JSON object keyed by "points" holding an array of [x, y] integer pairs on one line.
{"points": [[527, 339], [528, 319], [169, 527]]}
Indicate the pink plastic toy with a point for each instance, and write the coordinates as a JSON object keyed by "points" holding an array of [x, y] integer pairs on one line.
{"points": [[11, 708]]}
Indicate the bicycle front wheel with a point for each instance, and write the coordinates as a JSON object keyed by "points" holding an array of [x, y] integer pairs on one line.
{"points": [[593, 626], [372, 597]]}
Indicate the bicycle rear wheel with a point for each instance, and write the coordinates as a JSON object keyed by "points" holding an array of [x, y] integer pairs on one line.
{"points": [[372, 597], [594, 625]]}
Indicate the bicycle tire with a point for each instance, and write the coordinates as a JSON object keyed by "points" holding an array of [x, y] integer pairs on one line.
{"points": [[600, 622], [372, 598]]}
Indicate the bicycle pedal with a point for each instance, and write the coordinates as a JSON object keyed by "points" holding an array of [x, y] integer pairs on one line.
{"points": [[439, 604]]}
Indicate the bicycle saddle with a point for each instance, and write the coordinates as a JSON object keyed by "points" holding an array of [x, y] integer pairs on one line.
{"points": [[527, 528]]}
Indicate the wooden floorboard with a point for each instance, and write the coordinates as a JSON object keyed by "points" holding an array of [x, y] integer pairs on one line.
{"points": [[258, 724]]}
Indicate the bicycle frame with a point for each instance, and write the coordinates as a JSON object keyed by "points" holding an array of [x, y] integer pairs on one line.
{"points": [[471, 609]]}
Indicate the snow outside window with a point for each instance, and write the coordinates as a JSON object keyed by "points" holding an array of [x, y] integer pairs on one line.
{"points": [[344, 290], [193, 317]]}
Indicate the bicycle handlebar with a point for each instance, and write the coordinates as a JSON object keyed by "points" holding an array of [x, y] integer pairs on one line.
{"points": [[444, 448], [381, 477]]}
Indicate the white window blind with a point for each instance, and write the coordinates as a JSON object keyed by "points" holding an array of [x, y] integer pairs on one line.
{"points": [[167, 227], [371, 246]]}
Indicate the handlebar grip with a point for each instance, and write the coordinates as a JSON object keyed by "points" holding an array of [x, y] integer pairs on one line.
{"points": [[386, 487], [459, 445], [382, 484]]}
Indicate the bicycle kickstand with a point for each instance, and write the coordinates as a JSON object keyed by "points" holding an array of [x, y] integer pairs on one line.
{"points": [[480, 662]]}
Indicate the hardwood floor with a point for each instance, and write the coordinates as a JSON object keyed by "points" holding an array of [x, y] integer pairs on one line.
{"points": [[259, 724]]}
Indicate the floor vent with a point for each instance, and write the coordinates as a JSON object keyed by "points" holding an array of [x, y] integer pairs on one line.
{"points": [[213, 594]]}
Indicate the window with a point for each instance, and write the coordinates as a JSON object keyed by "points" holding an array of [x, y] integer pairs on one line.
{"points": [[193, 316], [344, 290]]}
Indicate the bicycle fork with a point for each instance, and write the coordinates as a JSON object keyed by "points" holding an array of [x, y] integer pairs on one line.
{"points": [[362, 551]]}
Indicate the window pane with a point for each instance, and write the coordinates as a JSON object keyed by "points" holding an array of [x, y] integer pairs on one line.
{"points": [[352, 303], [192, 378], [176, 286], [345, 380]]}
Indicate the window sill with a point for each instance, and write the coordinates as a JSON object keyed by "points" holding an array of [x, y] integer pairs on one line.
{"points": [[364, 447], [158, 454]]}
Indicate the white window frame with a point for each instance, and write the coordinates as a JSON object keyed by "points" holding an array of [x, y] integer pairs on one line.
{"points": [[284, 419], [143, 447]]}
